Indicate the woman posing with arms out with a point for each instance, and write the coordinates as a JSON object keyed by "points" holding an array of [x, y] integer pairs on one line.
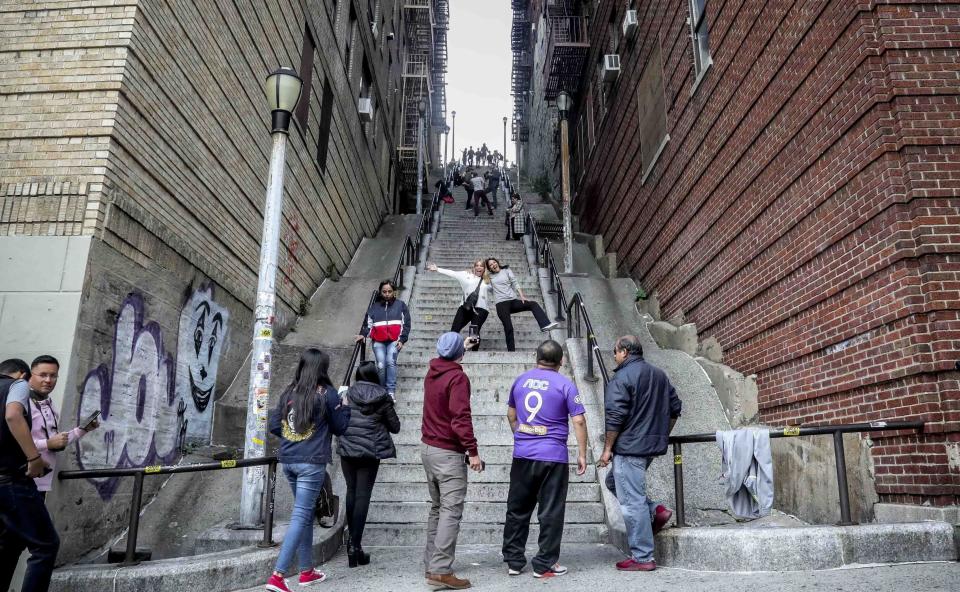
{"points": [[388, 327], [306, 416], [473, 310], [509, 299], [366, 442]]}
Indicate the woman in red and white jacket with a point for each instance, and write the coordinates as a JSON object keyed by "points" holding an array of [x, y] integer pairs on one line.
{"points": [[45, 430], [388, 327]]}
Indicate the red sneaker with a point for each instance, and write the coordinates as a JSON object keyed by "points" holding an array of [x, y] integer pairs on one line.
{"points": [[277, 584], [313, 576], [634, 565], [660, 518]]}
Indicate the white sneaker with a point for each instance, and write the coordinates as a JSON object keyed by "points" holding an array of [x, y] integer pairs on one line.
{"points": [[556, 570], [513, 572], [552, 325]]}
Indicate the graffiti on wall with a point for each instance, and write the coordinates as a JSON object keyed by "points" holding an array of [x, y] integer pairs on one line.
{"points": [[202, 337], [149, 402]]}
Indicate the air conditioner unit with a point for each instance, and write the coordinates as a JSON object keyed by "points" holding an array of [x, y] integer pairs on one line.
{"points": [[365, 107], [611, 67], [629, 23]]}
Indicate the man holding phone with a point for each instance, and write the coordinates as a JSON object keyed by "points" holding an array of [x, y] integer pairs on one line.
{"points": [[24, 520], [447, 435], [49, 440]]}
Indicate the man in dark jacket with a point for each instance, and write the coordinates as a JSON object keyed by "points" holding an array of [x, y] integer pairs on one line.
{"points": [[641, 409], [447, 434]]}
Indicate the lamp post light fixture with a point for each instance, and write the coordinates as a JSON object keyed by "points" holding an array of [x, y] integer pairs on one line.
{"points": [[421, 112], [564, 103], [453, 142], [283, 88]]}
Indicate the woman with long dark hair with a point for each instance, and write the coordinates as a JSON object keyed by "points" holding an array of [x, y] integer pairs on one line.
{"points": [[366, 442], [306, 416], [388, 326], [473, 309], [510, 300]]}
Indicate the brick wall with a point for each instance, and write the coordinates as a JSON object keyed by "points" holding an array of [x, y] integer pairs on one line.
{"points": [[805, 209]]}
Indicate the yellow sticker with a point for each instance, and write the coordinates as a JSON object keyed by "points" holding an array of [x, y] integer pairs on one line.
{"points": [[791, 431], [266, 333], [678, 459], [152, 469], [257, 441], [228, 464]]}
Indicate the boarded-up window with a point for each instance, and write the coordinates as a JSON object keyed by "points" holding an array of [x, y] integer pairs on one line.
{"points": [[307, 50], [652, 109], [326, 116]]}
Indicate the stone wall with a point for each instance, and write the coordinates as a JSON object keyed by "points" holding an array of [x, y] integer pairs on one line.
{"points": [[804, 210]]}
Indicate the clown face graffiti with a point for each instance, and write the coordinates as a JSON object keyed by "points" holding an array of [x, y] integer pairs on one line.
{"points": [[203, 333]]}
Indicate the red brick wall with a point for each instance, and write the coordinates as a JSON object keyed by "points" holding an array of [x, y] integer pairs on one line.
{"points": [[806, 211]]}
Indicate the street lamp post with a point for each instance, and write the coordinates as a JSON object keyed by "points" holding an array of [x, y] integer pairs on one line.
{"points": [[564, 103], [421, 111], [446, 138], [453, 142], [504, 141], [283, 92]]}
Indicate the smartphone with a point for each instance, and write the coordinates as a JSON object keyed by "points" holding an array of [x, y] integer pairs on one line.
{"points": [[85, 423], [466, 461], [472, 331], [46, 470]]}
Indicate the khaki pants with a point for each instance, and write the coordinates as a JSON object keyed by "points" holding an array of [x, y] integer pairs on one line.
{"points": [[447, 484]]}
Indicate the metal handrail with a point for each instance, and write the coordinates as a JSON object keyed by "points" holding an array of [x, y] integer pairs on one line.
{"points": [[577, 313], [136, 499], [556, 286], [836, 431]]}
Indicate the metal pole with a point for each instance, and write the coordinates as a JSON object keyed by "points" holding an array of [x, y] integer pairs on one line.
{"points": [[271, 497], [259, 394], [678, 484], [419, 164], [565, 185], [446, 138], [841, 461], [504, 141], [453, 142], [129, 557]]}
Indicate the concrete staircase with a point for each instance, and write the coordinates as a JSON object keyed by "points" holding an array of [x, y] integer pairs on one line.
{"points": [[400, 500]]}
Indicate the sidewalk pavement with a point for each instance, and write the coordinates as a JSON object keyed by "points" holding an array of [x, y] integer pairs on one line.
{"points": [[591, 568]]}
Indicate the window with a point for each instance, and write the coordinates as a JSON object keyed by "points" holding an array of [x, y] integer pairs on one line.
{"points": [[326, 115], [652, 112], [307, 50], [700, 37]]}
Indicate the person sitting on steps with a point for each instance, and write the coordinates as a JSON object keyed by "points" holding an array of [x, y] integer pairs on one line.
{"points": [[509, 299]]}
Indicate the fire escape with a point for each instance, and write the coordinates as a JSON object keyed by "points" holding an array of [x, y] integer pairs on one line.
{"points": [[566, 49], [419, 72], [441, 15], [522, 69]]}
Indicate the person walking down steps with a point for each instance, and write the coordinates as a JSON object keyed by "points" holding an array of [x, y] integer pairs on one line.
{"points": [[366, 442], [480, 192], [473, 310], [510, 300], [388, 327]]}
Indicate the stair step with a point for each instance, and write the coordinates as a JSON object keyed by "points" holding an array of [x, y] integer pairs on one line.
{"points": [[481, 512], [476, 492], [492, 455], [412, 535]]}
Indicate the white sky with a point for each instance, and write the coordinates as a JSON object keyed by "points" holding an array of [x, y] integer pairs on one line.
{"points": [[478, 73]]}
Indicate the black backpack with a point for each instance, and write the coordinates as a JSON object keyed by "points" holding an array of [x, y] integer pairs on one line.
{"points": [[328, 504]]}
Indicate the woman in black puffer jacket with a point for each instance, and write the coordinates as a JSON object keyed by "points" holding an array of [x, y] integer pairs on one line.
{"points": [[366, 442]]}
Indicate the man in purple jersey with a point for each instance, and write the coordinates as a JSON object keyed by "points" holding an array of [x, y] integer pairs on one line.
{"points": [[541, 400]]}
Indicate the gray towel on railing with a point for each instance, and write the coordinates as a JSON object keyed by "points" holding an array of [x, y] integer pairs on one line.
{"points": [[747, 471]]}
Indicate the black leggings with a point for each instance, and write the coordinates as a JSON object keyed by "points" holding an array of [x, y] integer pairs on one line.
{"points": [[509, 307], [360, 475], [476, 317]]}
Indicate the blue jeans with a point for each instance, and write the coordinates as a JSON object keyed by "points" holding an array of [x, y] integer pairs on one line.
{"points": [[25, 524], [630, 476], [385, 353], [306, 481]]}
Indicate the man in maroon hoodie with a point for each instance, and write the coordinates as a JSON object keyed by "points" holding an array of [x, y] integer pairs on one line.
{"points": [[447, 436]]}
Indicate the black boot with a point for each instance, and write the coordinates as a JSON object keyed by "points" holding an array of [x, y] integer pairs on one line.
{"points": [[359, 556]]}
